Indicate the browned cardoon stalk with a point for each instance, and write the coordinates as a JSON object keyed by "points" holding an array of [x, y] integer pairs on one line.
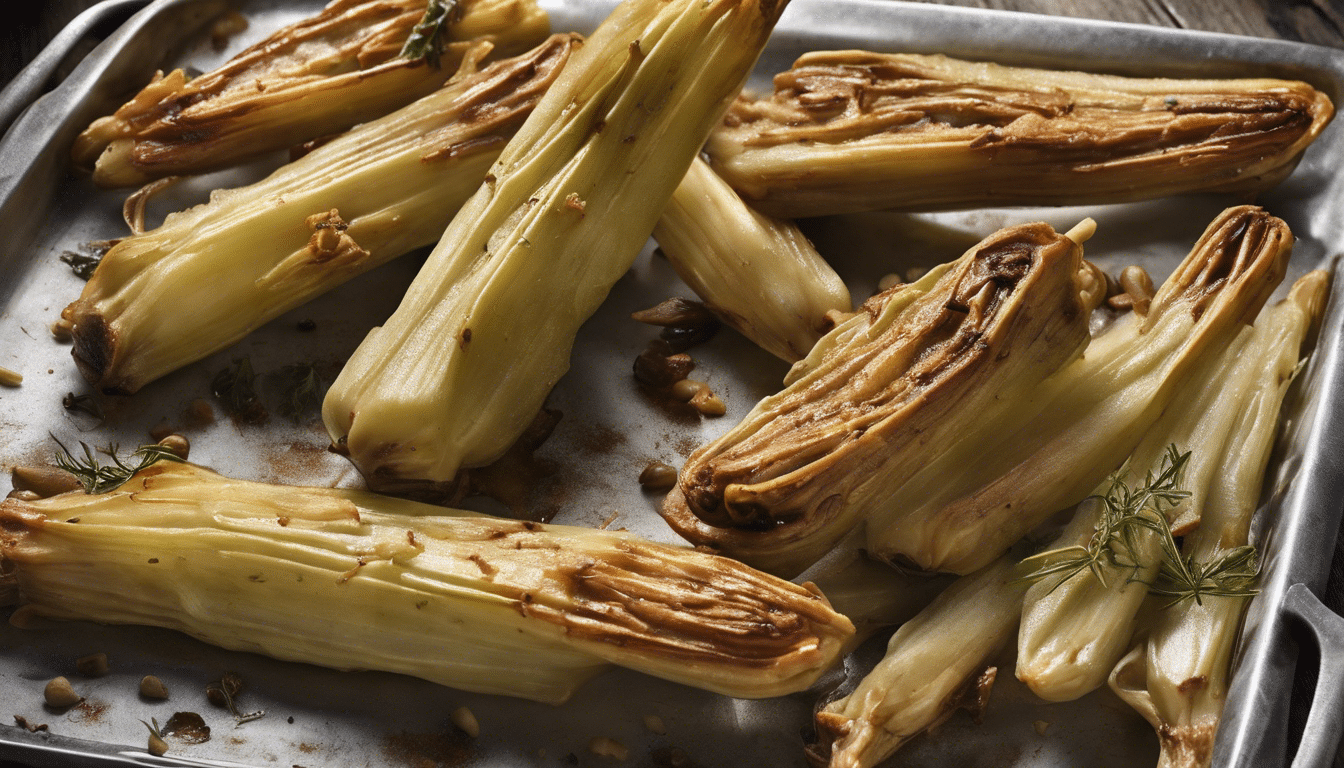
{"points": [[919, 367], [851, 130], [958, 515], [320, 76]]}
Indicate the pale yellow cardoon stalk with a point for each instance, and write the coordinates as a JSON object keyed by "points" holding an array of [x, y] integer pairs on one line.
{"points": [[850, 130], [964, 508], [485, 331], [214, 273], [352, 580], [1078, 622], [1177, 677], [347, 65], [758, 274], [934, 662]]}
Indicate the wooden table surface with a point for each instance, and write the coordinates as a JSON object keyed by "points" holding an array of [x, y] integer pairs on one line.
{"points": [[1320, 22], [1311, 21]]}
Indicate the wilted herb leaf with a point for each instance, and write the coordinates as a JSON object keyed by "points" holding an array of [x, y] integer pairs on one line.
{"points": [[82, 404], [82, 264], [426, 38], [301, 389], [236, 389]]}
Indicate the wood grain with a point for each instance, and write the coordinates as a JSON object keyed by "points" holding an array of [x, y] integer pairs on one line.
{"points": [[29, 27]]}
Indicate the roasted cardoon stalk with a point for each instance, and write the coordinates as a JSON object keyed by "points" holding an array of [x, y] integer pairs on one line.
{"points": [[1177, 677], [758, 274], [850, 130], [352, 580], [347, 65], [485, 330], [871, 594], [1077, 621], [961, 510], [936, 662], [212, 274], [918, 368]]}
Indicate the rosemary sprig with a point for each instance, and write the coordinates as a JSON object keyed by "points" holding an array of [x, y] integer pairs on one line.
{"points": [[1232, 573], [97, 477], [1124, 510], [1125, 513], [426, 38]]}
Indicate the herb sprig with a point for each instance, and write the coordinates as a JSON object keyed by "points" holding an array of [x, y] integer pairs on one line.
{"points": [[1125, 513], [426, 38], [97, 477]]}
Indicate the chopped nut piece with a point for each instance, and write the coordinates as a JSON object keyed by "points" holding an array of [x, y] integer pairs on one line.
{"points": [[44, 481], [604, 746], [686, 389], [10, 378], [708, 403], [60, 694], [152, 687], [93, 665], [200, 412], [178, 444], [465, 720], [62, 330], [658, 476], [1136, 282], [654, 369]]}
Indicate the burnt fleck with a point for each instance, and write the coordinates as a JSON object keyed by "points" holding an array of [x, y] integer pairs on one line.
{"points": [[187, 727]]}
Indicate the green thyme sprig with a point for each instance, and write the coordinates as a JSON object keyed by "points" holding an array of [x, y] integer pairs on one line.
{"points": [[426, 38], [97, 477], [1125, 513]]}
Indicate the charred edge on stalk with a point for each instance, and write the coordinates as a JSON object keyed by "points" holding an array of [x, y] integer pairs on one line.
{"points": [[952, 344]]}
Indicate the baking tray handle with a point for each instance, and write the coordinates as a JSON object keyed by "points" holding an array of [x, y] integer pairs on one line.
{"points": [[34, 79], [1325, 723]]}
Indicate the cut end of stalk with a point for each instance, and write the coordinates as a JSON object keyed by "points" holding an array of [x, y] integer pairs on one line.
{"points": [[95, 350], [1082, 231], [1187, 746]]}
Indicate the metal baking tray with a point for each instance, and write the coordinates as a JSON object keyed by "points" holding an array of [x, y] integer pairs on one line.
{"points": [[609, 431]]}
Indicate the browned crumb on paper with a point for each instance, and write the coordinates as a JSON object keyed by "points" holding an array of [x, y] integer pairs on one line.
{"points": [[448, 749], [30, 727]]}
